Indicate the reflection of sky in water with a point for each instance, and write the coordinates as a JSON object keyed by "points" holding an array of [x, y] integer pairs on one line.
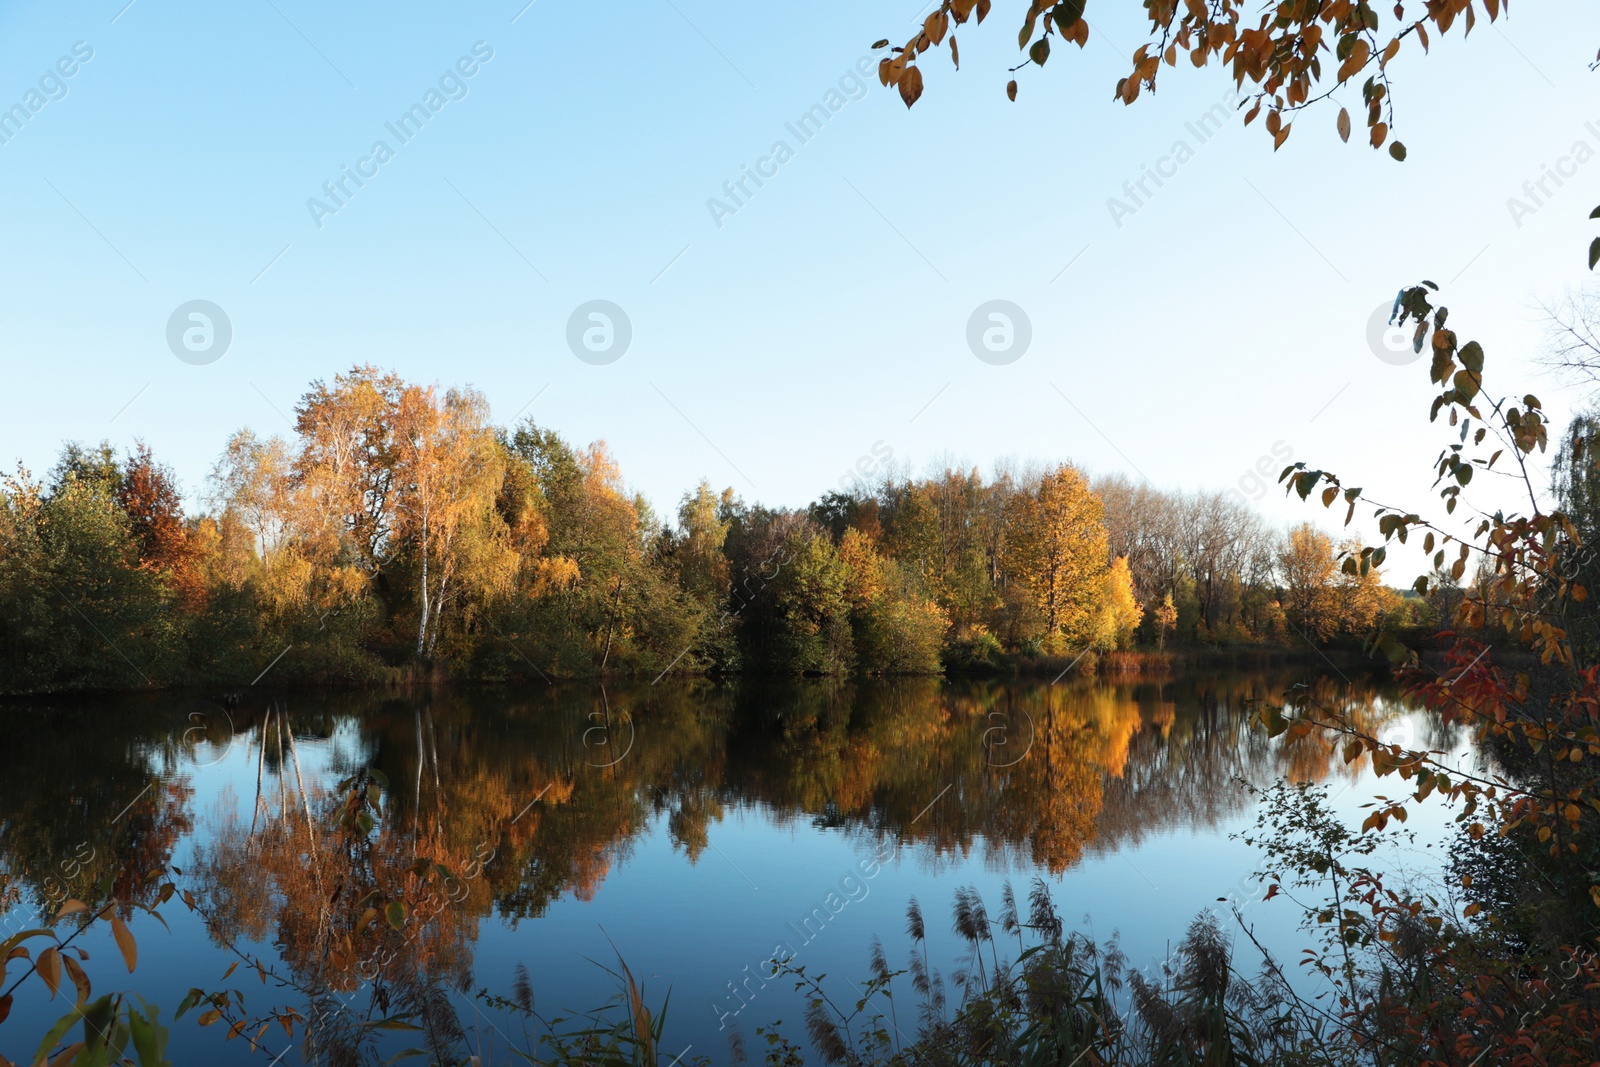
{"points": [[702, 927]]}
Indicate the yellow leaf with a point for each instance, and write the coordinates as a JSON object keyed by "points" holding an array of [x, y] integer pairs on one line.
{"points": [[1344, 125], [71, 906], [125, 943], [79, 979], [911, 85], [49, 967]]}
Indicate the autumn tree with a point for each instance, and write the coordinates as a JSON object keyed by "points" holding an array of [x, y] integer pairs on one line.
{"points": [[148, 494], [251, 488], [1166, 618], [1361, 597], [1508, 977], [448, 473], [1210, 551], [81, 609], [1058, 540], [702, 564], [810, 596], [1309, 569], [1119, 612], [912, 529], [897, 627], [347, 457], [398, 526], [282, 571], [599, 582]]}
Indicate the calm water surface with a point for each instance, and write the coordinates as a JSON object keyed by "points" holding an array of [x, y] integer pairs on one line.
{"points": [[694, 828]]}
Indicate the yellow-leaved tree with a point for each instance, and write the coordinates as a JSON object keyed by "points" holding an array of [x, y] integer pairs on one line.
{"points": [[1166, 619], [1058, 539], [1119, 613], [449, 469], [1309, 568]]}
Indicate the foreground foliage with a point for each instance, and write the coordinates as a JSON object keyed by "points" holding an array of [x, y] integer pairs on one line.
{"points": [[1274, 55]]}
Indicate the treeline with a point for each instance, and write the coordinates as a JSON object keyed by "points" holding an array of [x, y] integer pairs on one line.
{"points": [[399, 533]]}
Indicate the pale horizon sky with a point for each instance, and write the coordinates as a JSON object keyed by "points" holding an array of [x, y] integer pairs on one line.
{"points": [[585, 158]]}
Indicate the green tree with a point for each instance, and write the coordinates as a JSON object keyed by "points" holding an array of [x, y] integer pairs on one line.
{"points": [[703, 532], [81, 610], [813, 612]]}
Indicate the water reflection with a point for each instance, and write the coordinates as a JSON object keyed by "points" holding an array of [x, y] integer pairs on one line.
{"points": [[499, 803]]}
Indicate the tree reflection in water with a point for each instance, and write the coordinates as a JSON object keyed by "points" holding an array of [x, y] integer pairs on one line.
{"points": [[491, 803]]}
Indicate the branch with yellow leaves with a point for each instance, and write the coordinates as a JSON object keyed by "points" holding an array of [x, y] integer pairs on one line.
{"points": [[1278, 51]]}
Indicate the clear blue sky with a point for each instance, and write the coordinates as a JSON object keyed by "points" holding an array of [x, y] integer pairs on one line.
{"points": [[1227, 314]]}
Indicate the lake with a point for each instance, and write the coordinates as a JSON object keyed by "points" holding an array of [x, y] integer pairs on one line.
{"points": [[691, 828]]}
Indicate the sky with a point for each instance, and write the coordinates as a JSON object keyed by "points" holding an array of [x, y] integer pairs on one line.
{"points": [[819, 322]]}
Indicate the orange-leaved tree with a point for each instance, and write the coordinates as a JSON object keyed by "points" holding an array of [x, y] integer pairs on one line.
{"points": [[1511, 969]]}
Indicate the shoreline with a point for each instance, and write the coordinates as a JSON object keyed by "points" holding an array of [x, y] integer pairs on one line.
{"points": [[1168, 663]]}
